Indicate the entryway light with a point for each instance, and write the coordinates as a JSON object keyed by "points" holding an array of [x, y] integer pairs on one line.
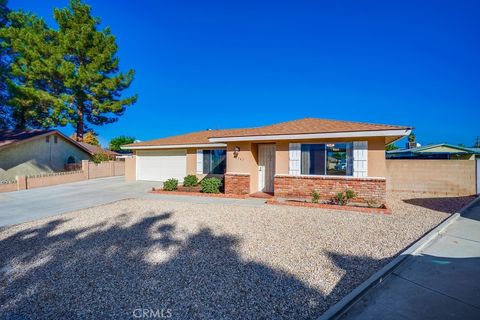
{"points": [[236, 151]]}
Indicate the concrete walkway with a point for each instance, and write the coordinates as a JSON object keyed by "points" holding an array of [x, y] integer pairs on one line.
{"points": [[441, 281], [22, 206]]}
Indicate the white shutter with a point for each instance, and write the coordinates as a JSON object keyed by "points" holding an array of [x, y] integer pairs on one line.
{"points": [[294, 155], [199, 161], [360, 158]]}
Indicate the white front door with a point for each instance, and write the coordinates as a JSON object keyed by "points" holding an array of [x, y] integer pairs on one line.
{"points": [[266, 167]]}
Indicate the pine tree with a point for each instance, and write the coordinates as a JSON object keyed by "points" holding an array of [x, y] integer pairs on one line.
{"points": [[5, 110], [65, 76]]}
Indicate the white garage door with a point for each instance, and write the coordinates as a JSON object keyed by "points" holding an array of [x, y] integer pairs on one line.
{"points": [[160, 165]]}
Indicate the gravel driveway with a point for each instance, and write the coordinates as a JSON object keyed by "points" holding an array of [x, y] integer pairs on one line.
{"points": [[208, 261]]}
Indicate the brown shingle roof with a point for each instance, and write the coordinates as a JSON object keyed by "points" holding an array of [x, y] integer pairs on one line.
{"points": [[97, 150], [8, 137], [307, 125], [11, 137]]}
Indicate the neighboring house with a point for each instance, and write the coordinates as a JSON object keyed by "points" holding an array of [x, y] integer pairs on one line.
{"points": [[36, 152], [290, 159], [92, 149], [437, 151]]}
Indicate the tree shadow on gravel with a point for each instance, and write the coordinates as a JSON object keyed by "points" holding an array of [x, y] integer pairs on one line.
{"points": [[113, 271]]}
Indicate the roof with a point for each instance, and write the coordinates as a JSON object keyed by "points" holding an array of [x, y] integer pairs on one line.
{"points": [[92, 149], [302, 126], [14, 137], [8, 137], [428, 149]]}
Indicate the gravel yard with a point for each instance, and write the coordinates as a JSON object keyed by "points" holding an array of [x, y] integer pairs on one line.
{"points": [[205, 261]]}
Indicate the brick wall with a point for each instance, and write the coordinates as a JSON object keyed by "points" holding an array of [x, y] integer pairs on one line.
{"points": [[237, 183], [442, 177], [367, 189]]}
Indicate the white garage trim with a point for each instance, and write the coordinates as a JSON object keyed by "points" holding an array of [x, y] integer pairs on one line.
{"points": [[160, 165]]}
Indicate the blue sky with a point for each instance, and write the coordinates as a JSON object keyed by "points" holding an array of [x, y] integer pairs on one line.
{"points": [[225, 64]]}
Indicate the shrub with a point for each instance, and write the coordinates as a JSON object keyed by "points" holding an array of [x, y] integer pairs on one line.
{"points": [[315, 196], [190, 181], [342, 198], [99, 157], [350, 194], [211, 185], [170, 184]]}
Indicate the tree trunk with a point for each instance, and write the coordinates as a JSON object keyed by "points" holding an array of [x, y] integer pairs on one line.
{"points": [[80, 124]]}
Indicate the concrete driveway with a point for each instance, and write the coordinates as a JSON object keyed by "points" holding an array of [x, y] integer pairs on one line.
{"points": [[22, 206]]}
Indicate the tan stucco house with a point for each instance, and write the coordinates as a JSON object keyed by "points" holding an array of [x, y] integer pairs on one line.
{"points": [[36, 152], [289, 159]]}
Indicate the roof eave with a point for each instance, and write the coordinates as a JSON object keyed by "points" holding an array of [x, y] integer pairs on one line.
{"points": [[327, 135], [175, 146]]}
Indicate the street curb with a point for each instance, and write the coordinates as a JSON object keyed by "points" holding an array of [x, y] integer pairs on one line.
{"points": [[356, 294]]}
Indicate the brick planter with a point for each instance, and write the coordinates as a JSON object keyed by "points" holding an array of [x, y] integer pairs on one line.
{"points": [[367, 189], [237, 183]]}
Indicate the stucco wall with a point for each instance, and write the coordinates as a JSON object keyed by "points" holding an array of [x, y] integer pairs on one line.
{"points": [[191, 161], [442, 177], [37, 157], [130, 169], [246, 162]]}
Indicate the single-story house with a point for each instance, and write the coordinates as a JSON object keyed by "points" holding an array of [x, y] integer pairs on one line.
{"points": [[35, 152], [443, 151], [92, 149], [289, 159]]}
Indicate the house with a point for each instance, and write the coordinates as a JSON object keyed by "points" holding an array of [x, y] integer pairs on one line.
{"points": [[289, 159], [92, 149], [35, 152], [436, 151]]}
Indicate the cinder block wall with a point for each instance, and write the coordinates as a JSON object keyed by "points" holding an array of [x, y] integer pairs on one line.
{"points": [[442, 177]]}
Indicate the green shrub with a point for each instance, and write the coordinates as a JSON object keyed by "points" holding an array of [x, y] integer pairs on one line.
{"points": [[211, 185], [170, 184], [342, 198], [190, 181], [350, 194], [315, 196], [99, 157]]}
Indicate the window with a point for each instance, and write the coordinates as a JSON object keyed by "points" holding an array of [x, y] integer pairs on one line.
{"points": [[214, 161], [47, 139], [335, 159], [55, 139]]}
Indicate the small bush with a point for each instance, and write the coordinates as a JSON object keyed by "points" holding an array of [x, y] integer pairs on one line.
{"points": [[211, 185], [342, 198], [350, 194], [170, 184], [190, 181], [315, 196], [99, 157]]}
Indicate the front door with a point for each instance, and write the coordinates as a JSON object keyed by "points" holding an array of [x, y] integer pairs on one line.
{"points": [[266, 167]]}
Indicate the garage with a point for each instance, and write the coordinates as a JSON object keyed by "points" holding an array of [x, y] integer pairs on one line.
{"points": [[160, 165]]}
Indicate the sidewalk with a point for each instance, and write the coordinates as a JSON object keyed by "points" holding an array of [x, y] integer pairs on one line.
{"points": [[441, 281]]}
